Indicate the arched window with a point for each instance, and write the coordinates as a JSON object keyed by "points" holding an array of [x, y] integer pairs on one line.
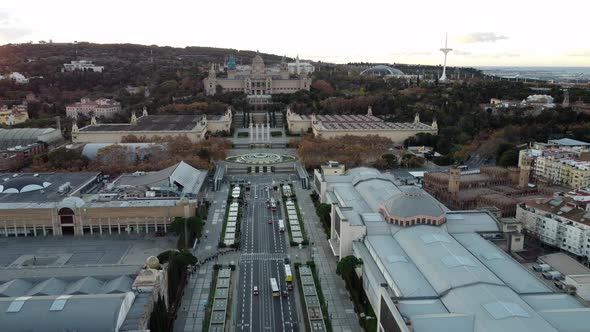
{"points": [[66, 216]]}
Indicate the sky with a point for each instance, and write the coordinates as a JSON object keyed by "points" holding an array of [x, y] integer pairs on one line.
{"points": [[481, 33]]}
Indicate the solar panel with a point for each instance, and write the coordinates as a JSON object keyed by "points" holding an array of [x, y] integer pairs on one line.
{"points": [[17, 304]]}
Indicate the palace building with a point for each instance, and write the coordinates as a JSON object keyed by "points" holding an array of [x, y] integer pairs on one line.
{"points": [[99, 107], [195, 127], [330, 126], [258, 80]]}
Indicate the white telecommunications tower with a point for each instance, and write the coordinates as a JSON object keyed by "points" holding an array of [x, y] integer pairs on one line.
{"points": [[445, 50]]}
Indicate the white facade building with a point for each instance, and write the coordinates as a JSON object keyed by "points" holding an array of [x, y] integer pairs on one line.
{"points": [[18, 78], [101, 107], [559, 222], [83, 65]]}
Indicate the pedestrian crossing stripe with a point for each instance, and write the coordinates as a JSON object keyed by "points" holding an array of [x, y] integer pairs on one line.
{"points": [[262, 256]]}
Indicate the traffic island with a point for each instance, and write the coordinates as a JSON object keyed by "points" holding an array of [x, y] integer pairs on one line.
{"points": [[230, 232], [296, 229], [315, 308], [216, 312]]}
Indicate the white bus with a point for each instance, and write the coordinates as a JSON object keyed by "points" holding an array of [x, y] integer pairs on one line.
{"points": [[274, 287], [273, 204], [288, 275], [281, 225]]}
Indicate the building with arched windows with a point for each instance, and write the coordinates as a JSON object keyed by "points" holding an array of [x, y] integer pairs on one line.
{"points": [[46, 204]]}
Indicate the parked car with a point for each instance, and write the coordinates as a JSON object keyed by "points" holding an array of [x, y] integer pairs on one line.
{"points": [[287, 261]]}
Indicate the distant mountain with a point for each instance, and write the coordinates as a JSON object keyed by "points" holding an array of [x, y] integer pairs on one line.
{"points": [[40, 59]]}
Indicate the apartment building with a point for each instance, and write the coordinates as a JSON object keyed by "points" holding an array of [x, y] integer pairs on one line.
{"points": [[561, 222]]}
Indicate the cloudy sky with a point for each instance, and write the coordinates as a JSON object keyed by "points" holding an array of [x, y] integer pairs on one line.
{"points": [[482, 33]]}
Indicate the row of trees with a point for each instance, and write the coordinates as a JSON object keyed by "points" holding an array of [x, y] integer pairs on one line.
{"points": [[117, 159], [352, 151]]}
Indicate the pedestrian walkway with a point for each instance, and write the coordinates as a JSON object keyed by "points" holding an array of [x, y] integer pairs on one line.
{"points": [[194, 301], [191, 312], [340, 307]]}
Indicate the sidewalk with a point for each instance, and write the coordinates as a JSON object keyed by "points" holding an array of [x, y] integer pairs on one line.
{"points": [[191, 312], [340, 307]]}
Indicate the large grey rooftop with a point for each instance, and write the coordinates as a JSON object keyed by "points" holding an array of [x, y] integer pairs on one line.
{"points": [[186, 177], [462, 282], [48, 194], [152, 123], [81, 313]]}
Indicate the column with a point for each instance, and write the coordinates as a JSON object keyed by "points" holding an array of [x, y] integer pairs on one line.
{"points": [[251, 132], [268, 131], [256, 138]]}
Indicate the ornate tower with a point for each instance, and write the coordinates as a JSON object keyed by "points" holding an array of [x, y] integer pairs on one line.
{"points": [[370, 111], [144, 112], [93, 120], [417, 118], [445, 50], [133, 119], [454, 181], [525, 171], [434, 124], [75, 130]]}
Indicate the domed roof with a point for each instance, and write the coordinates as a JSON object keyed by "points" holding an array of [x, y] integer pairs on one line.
{"points": [[412, 201], [258, 64], [382, 70], [22, 184]]}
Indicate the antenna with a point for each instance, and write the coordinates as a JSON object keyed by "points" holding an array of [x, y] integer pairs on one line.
{"points": [[445, 50]]}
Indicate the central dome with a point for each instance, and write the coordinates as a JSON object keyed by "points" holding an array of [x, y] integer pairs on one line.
{"points": [[258, 64], [412, 201]]}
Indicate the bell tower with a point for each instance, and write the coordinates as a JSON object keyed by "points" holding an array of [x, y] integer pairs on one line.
{"points": [[454, 181]]}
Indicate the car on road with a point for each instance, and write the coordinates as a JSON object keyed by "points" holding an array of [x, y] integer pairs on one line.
{"points": [[287, 261], [255, 290], [270, 221], [290, 287], [285, 293]]}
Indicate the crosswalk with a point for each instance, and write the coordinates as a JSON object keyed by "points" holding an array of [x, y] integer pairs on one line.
{"points": [[262, 257]]}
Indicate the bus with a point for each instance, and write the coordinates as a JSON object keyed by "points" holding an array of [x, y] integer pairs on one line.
{"points": [[288, 275], [274, 287], [273, 204], [281, 225]]}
